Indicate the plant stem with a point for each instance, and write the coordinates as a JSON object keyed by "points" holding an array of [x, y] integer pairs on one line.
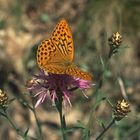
{"points": [[14, 126], [32, 108], [62, 117], [62, 125], [110, 54], [38, 124], [103, 132]]}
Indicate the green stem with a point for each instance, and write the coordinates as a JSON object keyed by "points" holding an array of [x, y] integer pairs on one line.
{"points": [[38, 124], [62, 117], [110, 53], [62, 125], [32, 108], [103, 132], [98, 87], [14, 126]]}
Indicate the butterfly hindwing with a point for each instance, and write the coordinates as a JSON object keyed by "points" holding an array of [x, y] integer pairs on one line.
{"points": [[76, 72]]}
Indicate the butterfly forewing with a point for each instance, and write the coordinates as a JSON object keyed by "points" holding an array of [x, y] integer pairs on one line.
{"points": [[45, 53], [62, 39], [49, 58]]}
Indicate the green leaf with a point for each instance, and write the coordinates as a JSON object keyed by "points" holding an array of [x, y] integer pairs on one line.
{"points": [[102, 62], [2, 114], [75, 128], [86, 134], [11, 100], [25, 104], [80, 124], [26, 132]]}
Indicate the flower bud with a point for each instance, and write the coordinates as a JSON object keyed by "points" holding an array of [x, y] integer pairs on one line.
{"points": [[121, 109], [31, 82], [115, 40], [3, 99]]}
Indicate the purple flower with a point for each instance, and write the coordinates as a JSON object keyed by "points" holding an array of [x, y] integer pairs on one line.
{"points": [[44, 86]]}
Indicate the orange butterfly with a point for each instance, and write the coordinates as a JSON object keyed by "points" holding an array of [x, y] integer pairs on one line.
{"points": [[55, 55]]}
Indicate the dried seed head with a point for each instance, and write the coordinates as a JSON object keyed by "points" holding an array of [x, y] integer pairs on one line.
{"points": [[3, 99], [115, 40], [31, 82], [121, 109]]}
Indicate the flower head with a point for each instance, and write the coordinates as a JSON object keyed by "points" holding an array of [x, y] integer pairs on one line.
{"points": [[115, 39], [50, 85], [3, 99], [121, 109], [114, 42]]}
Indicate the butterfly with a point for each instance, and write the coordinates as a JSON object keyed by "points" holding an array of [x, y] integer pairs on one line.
{"points": [[55, 54]]}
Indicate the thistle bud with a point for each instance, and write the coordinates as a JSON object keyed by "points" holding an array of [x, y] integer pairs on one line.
{"points": [[115, 40], [31, 82], [121, 109], [3, 99]]}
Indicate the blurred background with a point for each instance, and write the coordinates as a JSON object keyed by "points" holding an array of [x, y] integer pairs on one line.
{"points": [[25, 23]]}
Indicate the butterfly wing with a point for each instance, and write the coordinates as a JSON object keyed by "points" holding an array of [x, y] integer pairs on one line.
{"points": [[62, 39], [56, 53], [49, 59], [47, 54], [76, 72]]}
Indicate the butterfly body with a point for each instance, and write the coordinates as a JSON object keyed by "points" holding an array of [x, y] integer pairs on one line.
{"points": [[55, 55]]}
